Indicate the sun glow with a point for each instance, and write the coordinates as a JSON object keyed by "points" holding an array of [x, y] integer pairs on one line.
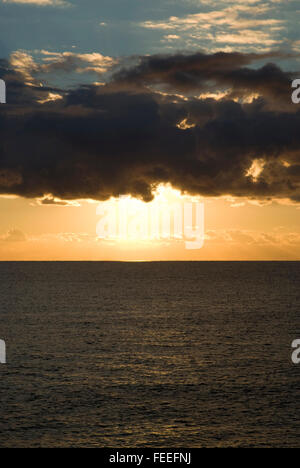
{"points": [[256, 169], [171, 216]]}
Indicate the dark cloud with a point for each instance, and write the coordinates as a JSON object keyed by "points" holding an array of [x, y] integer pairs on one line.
{"points": [[100, 141], [202, 72], [52, 201]]}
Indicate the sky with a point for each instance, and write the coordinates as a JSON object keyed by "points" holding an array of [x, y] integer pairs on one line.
{"points": [[118, 99]]}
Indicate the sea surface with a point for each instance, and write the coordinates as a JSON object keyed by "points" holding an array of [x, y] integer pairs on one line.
{"points": [[167, 355]]}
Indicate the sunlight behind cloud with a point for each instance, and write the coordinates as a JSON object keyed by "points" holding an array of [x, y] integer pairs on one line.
{"points": [[170, 216], [256, 169]]}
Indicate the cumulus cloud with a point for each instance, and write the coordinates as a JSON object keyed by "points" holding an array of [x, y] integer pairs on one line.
{"points": [[71, 61], [127, 136], [54, 62], [242, 25]]}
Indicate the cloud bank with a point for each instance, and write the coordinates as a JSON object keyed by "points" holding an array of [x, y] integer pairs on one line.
{"points": [[155, 122]]}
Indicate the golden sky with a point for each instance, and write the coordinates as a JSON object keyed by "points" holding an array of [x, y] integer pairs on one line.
{"points": [[235, 229], [105, 101]]}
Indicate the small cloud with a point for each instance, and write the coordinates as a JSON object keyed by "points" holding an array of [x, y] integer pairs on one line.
{"points": [[256, 169], [14, 235], [171, 37], [75, 237], [42, 3], [50, 98], [23, 63], [185, 125], [49, 200], [237, 205]]}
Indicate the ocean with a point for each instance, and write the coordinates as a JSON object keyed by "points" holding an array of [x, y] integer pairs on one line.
{"points": [[172, 354]]}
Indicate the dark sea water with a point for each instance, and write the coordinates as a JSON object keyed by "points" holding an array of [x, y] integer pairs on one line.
{"points": [[149, 355]]}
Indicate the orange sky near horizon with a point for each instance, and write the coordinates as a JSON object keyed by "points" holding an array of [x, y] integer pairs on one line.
{"points": [[235, 229]]}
